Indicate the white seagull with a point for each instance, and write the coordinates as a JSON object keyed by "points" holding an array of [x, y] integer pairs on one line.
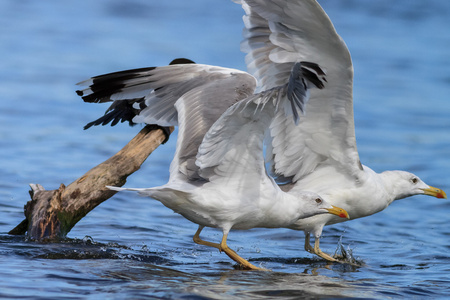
{"points": [[295, 55], [218, 179], [319, 154]]}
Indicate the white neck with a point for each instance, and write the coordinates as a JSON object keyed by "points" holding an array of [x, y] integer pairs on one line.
{"points": [[281, 211], [394, 187]]}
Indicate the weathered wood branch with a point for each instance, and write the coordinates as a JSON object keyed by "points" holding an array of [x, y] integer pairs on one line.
{"points": [[52, 214]]}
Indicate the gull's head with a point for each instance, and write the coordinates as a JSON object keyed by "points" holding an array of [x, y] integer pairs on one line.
{"points": [[404, 184], [315, 205]]}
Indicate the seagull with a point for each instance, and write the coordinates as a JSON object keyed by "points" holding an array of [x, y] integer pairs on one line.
{"points": [[318, 154], [217, 177], [298, 97]]}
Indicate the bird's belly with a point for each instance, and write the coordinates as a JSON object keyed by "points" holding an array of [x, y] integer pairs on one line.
{"points": [[199, 219]]}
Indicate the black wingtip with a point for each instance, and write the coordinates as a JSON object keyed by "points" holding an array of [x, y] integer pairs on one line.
{"points": [[119, 111], [302, 74], [313, 73], [89, 125], [181, 61], [166, 131]]}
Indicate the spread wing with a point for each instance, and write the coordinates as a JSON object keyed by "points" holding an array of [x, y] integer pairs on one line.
{"points": [[278, 33], [197, 111], [191, 96], [148, 95], [232, 149]]}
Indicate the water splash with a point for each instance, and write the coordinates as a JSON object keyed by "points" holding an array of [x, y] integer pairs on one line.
{"points": [[345, 254]]}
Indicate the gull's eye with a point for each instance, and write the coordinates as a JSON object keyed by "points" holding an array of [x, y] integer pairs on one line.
{"points": [[414, 180], [318, 200]]}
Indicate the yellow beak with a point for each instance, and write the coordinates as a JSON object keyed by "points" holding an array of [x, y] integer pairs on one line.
{"points": [[340, 212], [435, 192]]}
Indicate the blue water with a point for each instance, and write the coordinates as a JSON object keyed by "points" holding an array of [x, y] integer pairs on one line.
{"points": [[132, 247]]}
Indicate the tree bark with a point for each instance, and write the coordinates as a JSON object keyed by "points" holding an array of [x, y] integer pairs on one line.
{"points": [[52, 214]]}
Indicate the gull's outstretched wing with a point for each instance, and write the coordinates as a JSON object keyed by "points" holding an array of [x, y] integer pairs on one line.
{"points": [[191, 96], [199, 108], [132, 86], [148, 95], [277, 34], [232, 149]]}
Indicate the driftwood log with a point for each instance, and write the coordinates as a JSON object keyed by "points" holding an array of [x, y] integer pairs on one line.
{"points": [[51, 214]]}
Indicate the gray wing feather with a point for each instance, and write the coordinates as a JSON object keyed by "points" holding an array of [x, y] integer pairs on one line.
{"points": [[233, 146], [148, 95], [277, 34], [199, 109]]}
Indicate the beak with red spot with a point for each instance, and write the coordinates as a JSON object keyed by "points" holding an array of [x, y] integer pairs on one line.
{"points": [[435, 192], [340, 212]]}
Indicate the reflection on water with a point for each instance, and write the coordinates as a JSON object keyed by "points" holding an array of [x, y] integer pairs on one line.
{"points": [[138, 247]]}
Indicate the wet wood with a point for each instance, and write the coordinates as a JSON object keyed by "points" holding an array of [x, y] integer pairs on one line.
{"points": [[51, 214]]}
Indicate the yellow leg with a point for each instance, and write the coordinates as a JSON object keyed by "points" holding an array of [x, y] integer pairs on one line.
{"points": [[224, 247], [316, 250], [319, 252], [234, 256], [199, 241], [308, 246]]}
